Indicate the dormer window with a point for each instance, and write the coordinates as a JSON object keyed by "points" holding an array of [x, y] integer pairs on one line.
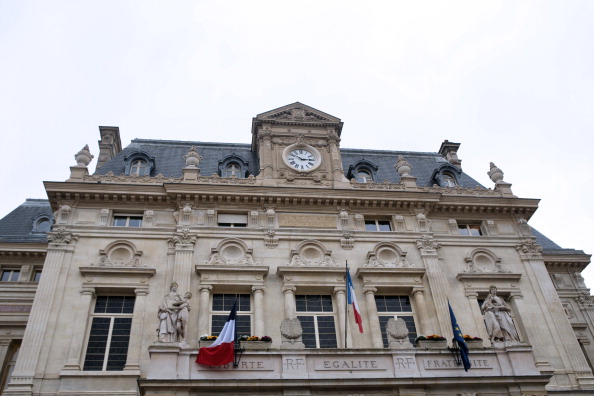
{"points": [[42, 224], [446, 175], [138, 168], [139, 164], [363, 172], [233, 170], [363, 176], [233, 166]]}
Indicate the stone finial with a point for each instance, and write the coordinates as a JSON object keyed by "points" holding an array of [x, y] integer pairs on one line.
{"points": [[84, 156], [192, 158], [402, 166], [495, 174]]}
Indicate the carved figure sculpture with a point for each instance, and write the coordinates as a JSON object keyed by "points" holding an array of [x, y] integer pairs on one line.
{"points": [[498, 318], [168, 314], [397, 334], [182, 317], [291, 333]]}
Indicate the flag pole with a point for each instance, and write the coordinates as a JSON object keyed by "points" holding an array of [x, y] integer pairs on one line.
{"points": [[346, 305]]}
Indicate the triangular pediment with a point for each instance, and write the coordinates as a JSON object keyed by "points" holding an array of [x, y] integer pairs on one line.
{"points": [[297, 113]]}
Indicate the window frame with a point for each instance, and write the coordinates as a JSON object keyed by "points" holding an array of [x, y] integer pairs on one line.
{"points": [[412, 333], [112, 316], [376, 222], [232, 223], [137, 165], [223, 313], [316, 315], [128, 217], [12, 273], [469, 226]]}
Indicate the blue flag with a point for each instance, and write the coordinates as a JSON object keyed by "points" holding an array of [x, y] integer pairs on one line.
{"points": [[460, 339]]}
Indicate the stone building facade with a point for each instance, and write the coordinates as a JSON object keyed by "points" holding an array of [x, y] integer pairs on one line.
{"points": [[272, 225]]}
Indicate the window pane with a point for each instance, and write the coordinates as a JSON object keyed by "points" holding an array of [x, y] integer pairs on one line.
{"points": [[135, 221], [463, 230], [118, 349], [120, 221], [326, 331], [384, 226], [313, 303], [475, 230], [224, 302], [97, 344], [370, 225], [309, 331], [37, 276]]}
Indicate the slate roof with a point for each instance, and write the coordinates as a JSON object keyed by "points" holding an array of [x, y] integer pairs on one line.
{"points": [[169, 160], [18, 225]]}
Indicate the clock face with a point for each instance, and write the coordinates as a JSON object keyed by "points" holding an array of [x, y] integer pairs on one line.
{"points": [[301, 159]]}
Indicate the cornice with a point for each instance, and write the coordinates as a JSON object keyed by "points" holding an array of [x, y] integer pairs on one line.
{"points": [[171, 194]]}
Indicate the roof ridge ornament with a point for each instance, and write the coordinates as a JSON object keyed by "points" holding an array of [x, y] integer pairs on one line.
{"points": [[84, 156], [192, 158]]}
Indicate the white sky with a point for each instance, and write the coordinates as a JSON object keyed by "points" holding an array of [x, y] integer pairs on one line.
{"points": [[512, 81]]}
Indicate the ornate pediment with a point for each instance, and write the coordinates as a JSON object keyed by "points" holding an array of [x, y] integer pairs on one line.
{"points": [[297, 113]]}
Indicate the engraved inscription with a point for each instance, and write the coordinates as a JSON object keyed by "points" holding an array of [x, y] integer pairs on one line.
{"points": [[309, 221], [348, 365], [244, 365], [405, 363], [293, 364], [440, 364]]}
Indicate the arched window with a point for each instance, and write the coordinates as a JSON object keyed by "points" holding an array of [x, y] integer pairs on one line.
{"points": [[232, 170], [138, 168], [233, 166], [446, 175], [363, 171], [363, 176], [448, 180], [139, 164]]}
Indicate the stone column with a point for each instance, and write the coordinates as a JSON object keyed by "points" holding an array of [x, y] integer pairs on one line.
{"points": [[333, 144], [340, 298], [203, 313], [290, 309], [475, 309], [374, 323], [258, 292], [265, 149], [437, 281], [4, 348], [59, 253], [78, 331], [134, 346], [418, 295], [184, 251], [573, 360]]}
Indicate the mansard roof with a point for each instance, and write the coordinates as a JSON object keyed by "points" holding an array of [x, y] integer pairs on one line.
{"points": [[19, 225]]}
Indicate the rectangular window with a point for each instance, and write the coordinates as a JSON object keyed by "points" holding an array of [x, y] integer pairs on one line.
{"points": [[232, 220], [316, 314], [221, 307], [377, 225], [470, 229], [10, 275], [399, 306], [107, 349], [127, 221]]}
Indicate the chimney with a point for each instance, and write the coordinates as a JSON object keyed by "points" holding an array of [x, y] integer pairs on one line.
{"points": [[109, 145], [449, 151]]}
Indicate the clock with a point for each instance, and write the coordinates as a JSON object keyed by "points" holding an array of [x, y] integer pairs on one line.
{"points": [[301, 158]]}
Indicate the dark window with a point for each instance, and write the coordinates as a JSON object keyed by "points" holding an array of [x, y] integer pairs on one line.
{"points": [[233, 170], [319, 330], [10, 275], [470, 229], [232, 220], [221, 307], [127, 221], [107, 349], [377, 225], [363, 176], [391, 306], [36, 276]]}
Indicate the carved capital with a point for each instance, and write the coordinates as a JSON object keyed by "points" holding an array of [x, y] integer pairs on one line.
{"points": [[87, 291], [339, 290], [417, 290], [258, 289], [141, 292], [205, 288], [427, 244], [369, 290], [183, 238], [60, 236], [529, 247], [289, 289]]}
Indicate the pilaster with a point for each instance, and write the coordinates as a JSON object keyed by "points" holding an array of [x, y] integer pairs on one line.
{"points": [[289, 297], [135, 347], [258, 292], [204, 309], [418, 295], [184, 250], [374, 323], [340, 298], [78, 332]]}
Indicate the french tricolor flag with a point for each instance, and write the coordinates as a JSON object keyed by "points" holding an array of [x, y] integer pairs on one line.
{"points": [[222, 350], [351, 299]]}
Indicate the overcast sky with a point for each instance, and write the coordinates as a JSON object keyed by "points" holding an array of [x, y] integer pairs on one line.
{"points": [[512, 81]]}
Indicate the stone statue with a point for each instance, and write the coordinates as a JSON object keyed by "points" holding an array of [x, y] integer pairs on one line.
{"points": [[291, 333], [498, 318], [182, 317], [168, 314]]}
